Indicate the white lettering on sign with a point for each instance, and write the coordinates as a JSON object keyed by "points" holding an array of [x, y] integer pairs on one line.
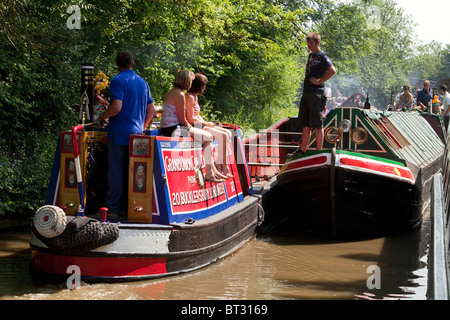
{"points": [[179, 164], [195, 196]]}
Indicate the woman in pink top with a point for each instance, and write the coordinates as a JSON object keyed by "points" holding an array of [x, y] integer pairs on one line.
{"points": [[175, 114], [193, 117]]}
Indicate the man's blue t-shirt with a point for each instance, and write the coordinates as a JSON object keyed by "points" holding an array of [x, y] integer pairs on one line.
{"points": [[424, 97], [135, 95], [316, 67]]}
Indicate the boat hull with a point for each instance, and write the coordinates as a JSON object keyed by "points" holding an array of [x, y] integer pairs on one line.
{"points": [[145, 251], [335, 200]]}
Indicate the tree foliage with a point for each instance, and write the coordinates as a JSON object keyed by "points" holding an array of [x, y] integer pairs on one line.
{"points": [[252, 51]]}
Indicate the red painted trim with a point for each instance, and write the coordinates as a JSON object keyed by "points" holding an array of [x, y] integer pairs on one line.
{"points": [[74, 140], [380, 122], [302, 163], [98, 266], [247, 174], [379, 167]]}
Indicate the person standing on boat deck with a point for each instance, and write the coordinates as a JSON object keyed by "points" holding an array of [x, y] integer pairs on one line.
{"points": [[424, 96], [131, 111], [319, 69], [174, 115], [445, 105]]}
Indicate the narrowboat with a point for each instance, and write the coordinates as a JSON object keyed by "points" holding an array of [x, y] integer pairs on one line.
{"points": [[372, 177], [174, 220]]}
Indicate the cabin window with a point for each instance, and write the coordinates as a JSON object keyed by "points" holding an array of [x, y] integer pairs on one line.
{"points": [[359, 135], [333, 135], [345, 125]]}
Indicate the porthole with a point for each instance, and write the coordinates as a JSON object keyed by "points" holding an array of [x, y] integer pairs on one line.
{"points": [[359, 135], [345, 126], [333, 135]]}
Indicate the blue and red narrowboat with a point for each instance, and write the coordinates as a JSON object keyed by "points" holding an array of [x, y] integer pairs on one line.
{"points": [[173, 222]]}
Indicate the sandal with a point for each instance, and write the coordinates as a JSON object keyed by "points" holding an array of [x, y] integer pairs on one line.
{"points": [[229, 175], [296, 153], [220, 175], [213, 179], [226, 175]]}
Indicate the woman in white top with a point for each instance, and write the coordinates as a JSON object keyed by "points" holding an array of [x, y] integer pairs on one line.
{"points": [[174, 105], [445, 104]]}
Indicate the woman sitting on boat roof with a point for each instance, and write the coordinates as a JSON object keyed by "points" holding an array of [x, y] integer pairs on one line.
{"points": [[175, 115], [193, 117], [405, 101]]}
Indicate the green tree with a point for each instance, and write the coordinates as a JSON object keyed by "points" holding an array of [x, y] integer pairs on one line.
{"points": [[431, 61], [252, 51]]}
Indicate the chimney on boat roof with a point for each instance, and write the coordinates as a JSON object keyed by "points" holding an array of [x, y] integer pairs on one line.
{"points": [[87, 90]]}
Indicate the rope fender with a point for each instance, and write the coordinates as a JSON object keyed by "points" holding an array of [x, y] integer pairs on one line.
{"points": [[79, 235]]}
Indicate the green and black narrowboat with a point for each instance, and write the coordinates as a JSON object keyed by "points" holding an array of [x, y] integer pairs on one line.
{"points": [[372, 177]]}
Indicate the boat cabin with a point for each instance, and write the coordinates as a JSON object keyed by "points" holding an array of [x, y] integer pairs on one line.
{"points": [[401, 136], [165, 182]]}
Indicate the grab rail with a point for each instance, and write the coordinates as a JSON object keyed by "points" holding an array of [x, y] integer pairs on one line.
{"points": [[76, 157]]}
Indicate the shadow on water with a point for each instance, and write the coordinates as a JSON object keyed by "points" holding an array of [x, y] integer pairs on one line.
{"points": [[347, 268], [15, 276]]}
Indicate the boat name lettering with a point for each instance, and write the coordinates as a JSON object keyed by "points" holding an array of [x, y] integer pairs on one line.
{"points": [[179, 164], [195, 196]]}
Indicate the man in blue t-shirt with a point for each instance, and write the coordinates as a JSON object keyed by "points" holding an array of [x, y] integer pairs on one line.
{"points": [[131, 110], [319, 69], [424, 96]]}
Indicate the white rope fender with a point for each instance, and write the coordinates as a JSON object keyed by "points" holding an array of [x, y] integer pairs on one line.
{"points": [[50, 221]]}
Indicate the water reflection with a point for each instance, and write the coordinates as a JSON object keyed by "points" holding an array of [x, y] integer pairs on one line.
{"points": [[279, 265]]}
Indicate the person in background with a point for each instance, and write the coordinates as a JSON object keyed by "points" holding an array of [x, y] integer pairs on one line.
{"points": [[131, 111], [193, 117], [174, 115], [405, 100], [424, 96], [445, 104], [338, 97], [319, 69]]}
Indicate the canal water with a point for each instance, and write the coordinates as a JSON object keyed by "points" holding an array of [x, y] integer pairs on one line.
{"points": [[279, 265]]}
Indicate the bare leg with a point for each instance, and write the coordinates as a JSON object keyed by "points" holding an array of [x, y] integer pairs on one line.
{"points": [[222, 136], [206, 138], [306, 135], [319, 138]]}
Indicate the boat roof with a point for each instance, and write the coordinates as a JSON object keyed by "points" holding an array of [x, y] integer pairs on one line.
{"points": [[407, 136]]}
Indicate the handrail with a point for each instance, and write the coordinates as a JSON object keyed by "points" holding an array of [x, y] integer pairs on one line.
{"points": [[76, 157]]}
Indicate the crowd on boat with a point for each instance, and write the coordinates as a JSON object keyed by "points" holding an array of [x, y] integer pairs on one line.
{"points": [[131, 109]]}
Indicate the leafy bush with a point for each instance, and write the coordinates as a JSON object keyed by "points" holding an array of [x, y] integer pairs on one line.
{"points": [[23, 183]]}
